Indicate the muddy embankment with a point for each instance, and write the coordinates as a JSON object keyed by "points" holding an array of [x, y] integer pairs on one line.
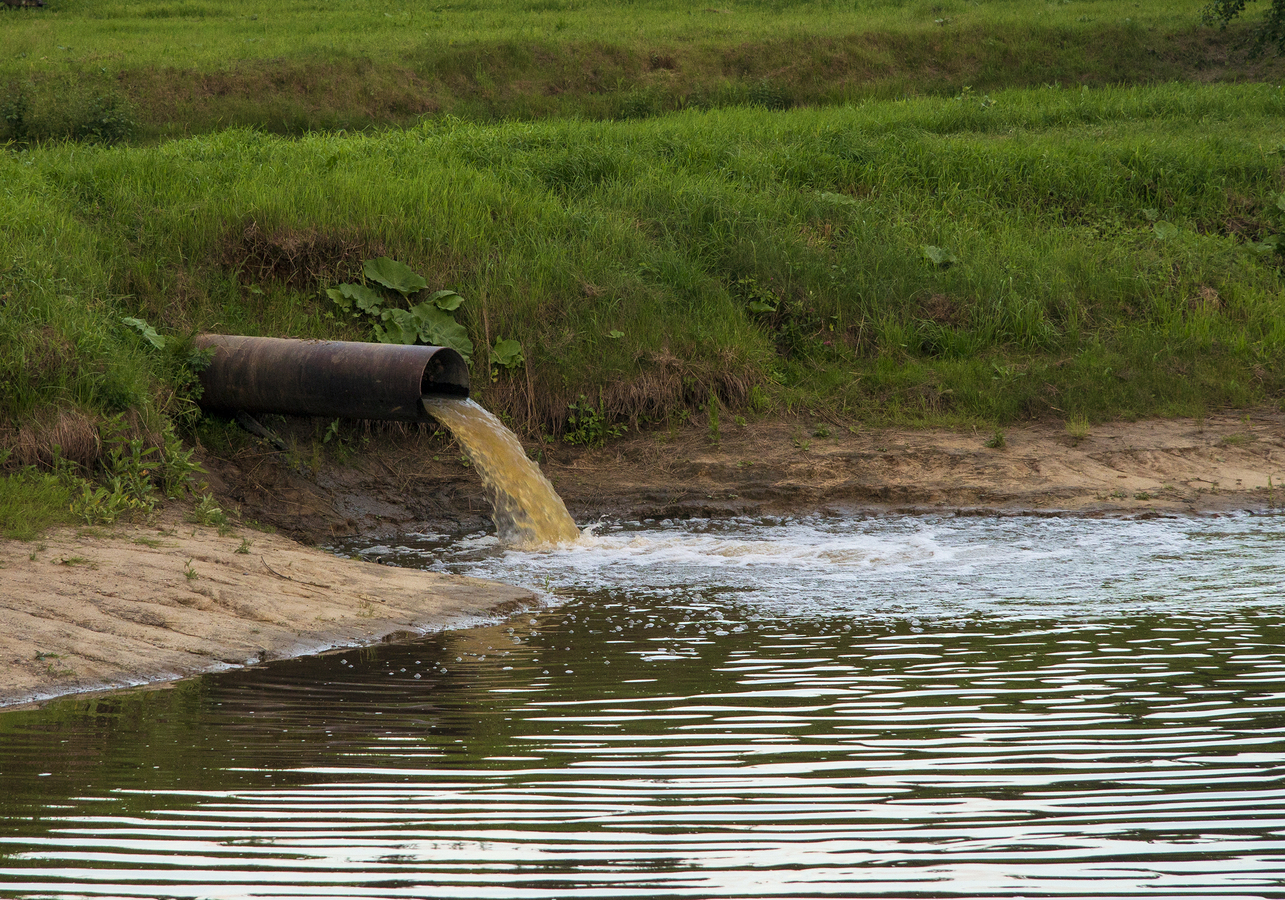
{"points": [[86, 609], [1179, 466]]}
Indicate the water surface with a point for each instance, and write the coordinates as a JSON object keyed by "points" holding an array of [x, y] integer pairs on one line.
{"points": [[885, 707]]}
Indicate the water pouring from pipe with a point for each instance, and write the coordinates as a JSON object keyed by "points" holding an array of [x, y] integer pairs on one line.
{"points": [[406, 383], [526, 508]]}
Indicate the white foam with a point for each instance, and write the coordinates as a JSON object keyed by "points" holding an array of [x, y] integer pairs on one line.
{"points": [[950, 565]]}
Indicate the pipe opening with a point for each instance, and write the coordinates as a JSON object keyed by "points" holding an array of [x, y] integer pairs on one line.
{"points": [[446, 375]]}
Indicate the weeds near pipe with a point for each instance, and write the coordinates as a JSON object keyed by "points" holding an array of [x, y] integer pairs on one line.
{"points": [[587, 425]]}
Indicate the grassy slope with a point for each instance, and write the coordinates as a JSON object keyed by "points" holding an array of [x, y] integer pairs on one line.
{"points": [[1067, 299], [187, 66]]}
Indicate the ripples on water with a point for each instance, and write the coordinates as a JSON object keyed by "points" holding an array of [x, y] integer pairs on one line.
{"points": [[855, 708]]}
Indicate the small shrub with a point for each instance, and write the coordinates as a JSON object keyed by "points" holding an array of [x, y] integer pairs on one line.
{"points": [[97, 505], [1077, 430], [506, 355], [15, 113], [208, 512], [175, 466], [587, 425], [429, 322], [105, 118]]}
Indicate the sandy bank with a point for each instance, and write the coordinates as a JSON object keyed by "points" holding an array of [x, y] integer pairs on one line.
{"points": [[90, 609], [1176, 466], [87, 609]]}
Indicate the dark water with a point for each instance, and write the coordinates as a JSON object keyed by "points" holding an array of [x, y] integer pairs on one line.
{"points": [[827, 708]]}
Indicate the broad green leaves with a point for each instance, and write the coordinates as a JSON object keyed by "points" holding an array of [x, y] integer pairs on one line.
{"points": [[428, 322], [394, 275], [838, 199], [446, 300], [507, 354], [147, 331], [939, 256], [356, 295], [1269, 247]]}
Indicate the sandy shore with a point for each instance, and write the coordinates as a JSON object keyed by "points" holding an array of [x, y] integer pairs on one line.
{"points": [[90, 609], [87, 609], [1173, 466]]}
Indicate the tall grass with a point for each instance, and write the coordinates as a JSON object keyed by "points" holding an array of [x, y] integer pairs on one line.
{"points": [[63, 346], [744, 253], [109, 70]]}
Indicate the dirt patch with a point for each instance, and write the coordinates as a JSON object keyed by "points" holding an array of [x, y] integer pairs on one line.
{"points": [[92, 609], [420, 481]]}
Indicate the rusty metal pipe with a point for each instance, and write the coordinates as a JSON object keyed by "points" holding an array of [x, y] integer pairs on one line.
{"points": [[345, 379]]}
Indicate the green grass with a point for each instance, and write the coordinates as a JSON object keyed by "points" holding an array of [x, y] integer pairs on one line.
{"points": [[32, 502], [681, 211], [1066, 301], [109, 70]]}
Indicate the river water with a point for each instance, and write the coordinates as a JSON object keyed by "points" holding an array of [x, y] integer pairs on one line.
{"points": [[860, 707]]}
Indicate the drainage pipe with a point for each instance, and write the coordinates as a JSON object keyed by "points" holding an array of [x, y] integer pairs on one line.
{"points": [[344, 379]]}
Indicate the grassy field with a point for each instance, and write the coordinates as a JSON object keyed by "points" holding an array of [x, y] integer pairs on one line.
{"points": [[977, 256], [105, 69]]}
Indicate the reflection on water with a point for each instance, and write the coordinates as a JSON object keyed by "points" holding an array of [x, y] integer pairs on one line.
{"points": [[855, 708]]}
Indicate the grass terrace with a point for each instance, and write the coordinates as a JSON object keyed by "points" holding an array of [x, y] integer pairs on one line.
{"points": [[105, 69]]}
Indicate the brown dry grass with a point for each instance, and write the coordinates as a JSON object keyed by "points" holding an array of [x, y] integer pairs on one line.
{"points": [[943, 309], [537, 403], [70, 434], [301, 258]]}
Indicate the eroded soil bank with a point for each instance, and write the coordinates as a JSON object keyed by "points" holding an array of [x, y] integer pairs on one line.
{"points": [[94, 608], [417, 482]]}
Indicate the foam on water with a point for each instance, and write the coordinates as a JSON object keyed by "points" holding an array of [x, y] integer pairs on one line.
{"points": [[1016, 565]]}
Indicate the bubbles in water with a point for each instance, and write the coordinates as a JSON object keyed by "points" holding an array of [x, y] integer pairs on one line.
{"points": [[890, 568]]}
